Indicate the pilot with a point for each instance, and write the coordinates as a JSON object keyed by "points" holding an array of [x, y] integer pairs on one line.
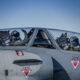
{"points": [[15, 37], [74, 41], [16, 40], [63, 41]]}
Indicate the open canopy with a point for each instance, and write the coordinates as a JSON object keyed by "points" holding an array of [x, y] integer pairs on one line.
{"points": [[40, 37]]}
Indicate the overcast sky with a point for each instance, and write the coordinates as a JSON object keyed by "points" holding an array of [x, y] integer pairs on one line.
{"points": [[59, 14]]}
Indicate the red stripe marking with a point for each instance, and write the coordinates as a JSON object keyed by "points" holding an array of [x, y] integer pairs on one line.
{"points": [[22, 52], [17, 53]]}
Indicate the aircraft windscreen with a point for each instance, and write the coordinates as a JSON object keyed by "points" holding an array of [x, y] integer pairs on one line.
{"points": [[43, 41], [15, 37], [67, 40]]}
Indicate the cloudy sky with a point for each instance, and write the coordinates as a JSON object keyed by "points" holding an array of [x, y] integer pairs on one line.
{"points": [[59, 14]]}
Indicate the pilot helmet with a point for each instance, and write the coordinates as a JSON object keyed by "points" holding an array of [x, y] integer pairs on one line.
{"points": [[74, 41], [65, 34], [15, 33]]}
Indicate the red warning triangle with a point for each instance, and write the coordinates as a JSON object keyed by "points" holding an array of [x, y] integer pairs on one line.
{"points": [[26, 73], [75, 63]]}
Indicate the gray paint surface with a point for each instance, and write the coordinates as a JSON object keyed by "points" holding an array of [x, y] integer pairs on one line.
{"points": [[56, 62]]}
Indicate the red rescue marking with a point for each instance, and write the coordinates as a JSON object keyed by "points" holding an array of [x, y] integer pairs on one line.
{"points": [[19, 53], [75, 63], [26, 71]]}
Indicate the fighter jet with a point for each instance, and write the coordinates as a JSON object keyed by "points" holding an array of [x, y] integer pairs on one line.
{"points": [[39, 54]]}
